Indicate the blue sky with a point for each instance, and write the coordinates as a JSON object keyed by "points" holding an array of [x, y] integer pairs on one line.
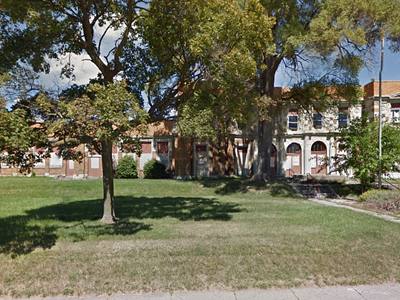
{"points": [[85, 70], [391, 69]]}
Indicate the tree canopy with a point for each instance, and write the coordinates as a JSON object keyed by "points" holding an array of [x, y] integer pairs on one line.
{"points": [[174, 51], [320, 39], [358, 153], [199, 58]]}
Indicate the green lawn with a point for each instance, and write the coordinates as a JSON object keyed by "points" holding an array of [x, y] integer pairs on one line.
{"points": [[183, 235]]}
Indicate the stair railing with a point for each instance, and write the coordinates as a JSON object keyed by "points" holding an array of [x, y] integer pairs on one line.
{"points": [[314, 182]]}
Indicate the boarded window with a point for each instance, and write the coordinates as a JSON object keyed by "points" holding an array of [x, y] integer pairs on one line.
{"points": [[162, 147], [146, 147], [55, 161]]}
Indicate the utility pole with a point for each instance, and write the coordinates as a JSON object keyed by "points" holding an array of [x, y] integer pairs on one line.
{"points": [[380, 117]]}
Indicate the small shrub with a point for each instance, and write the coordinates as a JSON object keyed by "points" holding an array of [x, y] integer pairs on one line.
{"points": [[380, 196], [127, 167], [154, 169], [382, 199]]}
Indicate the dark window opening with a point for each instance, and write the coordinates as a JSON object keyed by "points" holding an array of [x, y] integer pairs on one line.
{"points": [[293, 148], [317, 120], [318, 146]]}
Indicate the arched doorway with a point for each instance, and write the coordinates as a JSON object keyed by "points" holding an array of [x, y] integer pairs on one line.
{"points": [[273, 167], [293, 160], [317, 158]]}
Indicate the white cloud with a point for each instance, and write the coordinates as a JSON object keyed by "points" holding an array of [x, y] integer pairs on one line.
{"points": [[83, 71]]}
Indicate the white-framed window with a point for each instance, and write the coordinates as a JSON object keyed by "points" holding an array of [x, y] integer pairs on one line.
{"points": [[55, 161], [395, 112], [42, 163], [343, 117], [395, 115], [3, 165], [317, 120], [293, 119]]}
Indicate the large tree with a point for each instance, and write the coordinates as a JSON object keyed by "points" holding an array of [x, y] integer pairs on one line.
{"points": [[331, 36], [211, 41], [32, 32], [200, 58]]}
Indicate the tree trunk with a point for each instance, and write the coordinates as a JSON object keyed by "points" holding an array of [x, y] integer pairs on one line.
{"points": [[108, 182], [265, 132], [266, 123]]}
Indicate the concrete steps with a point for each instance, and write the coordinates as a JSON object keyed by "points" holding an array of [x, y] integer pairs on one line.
{"points": [[309, 189], [316, 190]]}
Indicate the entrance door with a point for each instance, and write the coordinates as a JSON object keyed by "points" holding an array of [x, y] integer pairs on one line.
{"points": [[317, 159], [201, 161], [94, 168], [70, 168], [146, 154], [163, 153], [293, 160], [273, 167], [242, 161]]}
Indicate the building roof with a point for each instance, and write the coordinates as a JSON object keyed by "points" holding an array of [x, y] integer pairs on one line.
{"points": [[390, 88]]}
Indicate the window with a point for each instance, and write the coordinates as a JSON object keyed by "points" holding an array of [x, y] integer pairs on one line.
{"points": [[318, 147], [343, 117], [395, 115], [317, 120], [162, 147], [146, 147], [3, 164], [395, 112], [55, 160], [293, 119], [293, 148], [201, 148], [242, 149]]}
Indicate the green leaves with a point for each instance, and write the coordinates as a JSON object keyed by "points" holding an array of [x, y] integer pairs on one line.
{"points": [[359, 150], [17, 137], [201, 57], [101, 113]]}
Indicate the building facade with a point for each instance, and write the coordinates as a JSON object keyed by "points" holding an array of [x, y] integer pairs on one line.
{"points": [[301, 143]]}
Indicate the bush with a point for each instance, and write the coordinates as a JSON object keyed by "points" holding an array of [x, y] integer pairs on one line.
{"points": [[154, 169], [380, 196], [127, 167], [382, 199]]}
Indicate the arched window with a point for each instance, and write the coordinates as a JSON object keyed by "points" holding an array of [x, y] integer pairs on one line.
{"points": [[293, 148], [318, 146], [273, 150]]}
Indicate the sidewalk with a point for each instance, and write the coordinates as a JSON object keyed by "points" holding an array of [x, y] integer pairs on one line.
{"points": [[363, 292], [341, 203]]}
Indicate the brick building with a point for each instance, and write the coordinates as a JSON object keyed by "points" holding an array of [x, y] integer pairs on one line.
{"points": [[300, 144]]}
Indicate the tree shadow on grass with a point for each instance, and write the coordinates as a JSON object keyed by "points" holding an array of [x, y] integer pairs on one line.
{"points": [[18, 237], [232, 186], [181, 208], [79, 219]]}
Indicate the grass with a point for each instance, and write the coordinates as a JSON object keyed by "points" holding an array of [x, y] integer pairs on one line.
{"points": [[183, 235]]}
